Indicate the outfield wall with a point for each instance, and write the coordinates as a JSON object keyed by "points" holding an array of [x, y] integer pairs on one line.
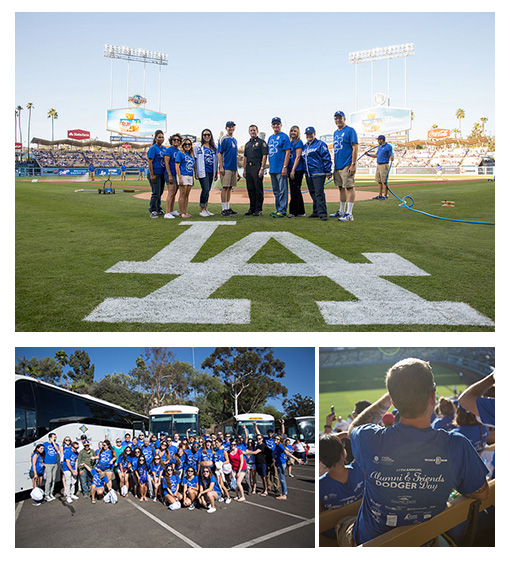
{"points": [[427, 171]]}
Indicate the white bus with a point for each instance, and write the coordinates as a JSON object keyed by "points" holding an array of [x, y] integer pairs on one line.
{"points": [[174, 419], [42, 408], [304, 428], [265, 423]]}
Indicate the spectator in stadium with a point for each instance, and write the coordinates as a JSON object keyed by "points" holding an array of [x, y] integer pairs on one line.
{"points": [[474, 401], [410, 468], [466, 424], [345, 148], [254, 161], [446, 410], [155, 156], [227, 166], [37, 466], [342, 483], [173, 186], [317, 165], [51, 453], [279, 157], [297, 171], [185, 169], [206, 158], [384, 156]]}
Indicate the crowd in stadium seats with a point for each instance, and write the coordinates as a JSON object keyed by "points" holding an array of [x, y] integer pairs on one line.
{"points": [[370, 455], [81, 159]]}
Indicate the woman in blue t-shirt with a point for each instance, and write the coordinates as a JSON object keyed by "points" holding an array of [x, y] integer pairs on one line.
{"points": [[297, 170], [156, 175], [155, 474], [185, 169], [190, 488], [206, 168], [37, 466], [209, 490], [466, 424], [123, 463], [142, 479], [170, 484]]}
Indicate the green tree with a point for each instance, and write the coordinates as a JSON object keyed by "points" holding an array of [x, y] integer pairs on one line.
{"points": [[52, 114], [30, 106], [299, 406], [249, 375], [118, 389], [45, 369], [460, 114], [82, 373]]}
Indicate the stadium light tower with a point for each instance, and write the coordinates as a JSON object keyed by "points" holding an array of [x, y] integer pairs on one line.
{"points": [[382, 53], [135, 55]]}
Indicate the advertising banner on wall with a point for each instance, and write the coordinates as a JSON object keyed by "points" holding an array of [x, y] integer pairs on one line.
{"points": [[380, 120], [78, 134], [135, 121], [438, 133]]}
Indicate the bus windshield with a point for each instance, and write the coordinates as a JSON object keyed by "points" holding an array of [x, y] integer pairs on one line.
{"points": [[263, 426], [306, 429], [174, 423]]}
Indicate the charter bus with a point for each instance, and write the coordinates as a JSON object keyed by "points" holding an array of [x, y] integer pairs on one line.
{"points": [[304, 428], [42, 408], [265, 423], [174, 419]]}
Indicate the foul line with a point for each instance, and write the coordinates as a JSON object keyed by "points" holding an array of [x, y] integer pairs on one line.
{"points": [[165, 526], [274, 534]]}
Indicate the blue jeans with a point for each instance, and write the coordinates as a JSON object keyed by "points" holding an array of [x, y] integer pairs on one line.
{"points": [[281, 475], [157, 188], [206, 184], [316, 188], [281, 192]]}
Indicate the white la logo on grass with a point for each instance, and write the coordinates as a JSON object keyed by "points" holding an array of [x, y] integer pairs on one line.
{"points": [[186, 299]]}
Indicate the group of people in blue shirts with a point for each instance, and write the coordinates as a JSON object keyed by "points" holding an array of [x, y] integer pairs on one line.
{"points": [[289, 157], [189, 472]]}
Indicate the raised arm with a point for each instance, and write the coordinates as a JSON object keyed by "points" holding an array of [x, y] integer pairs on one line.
{"points": [[372, 414], [468, 398]]}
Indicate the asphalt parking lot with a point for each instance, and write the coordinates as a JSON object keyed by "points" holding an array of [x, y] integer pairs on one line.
{"points": [[258, 522]]}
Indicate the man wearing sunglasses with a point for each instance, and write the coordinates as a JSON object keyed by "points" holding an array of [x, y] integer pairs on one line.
{"points": [[410, 467]]}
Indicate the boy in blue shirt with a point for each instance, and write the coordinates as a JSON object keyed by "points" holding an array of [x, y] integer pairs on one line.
{"points": [[410, 468]]}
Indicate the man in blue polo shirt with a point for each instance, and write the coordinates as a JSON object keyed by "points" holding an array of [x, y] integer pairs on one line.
{"points": [[345, 148], [384, 156], [410, 468], [227, 166], [278, 146]]}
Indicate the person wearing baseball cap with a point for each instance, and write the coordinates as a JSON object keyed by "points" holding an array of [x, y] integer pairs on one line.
{"points": [[345, 148], [384, 155], [279, 156], [227, 166], [317, 162]]}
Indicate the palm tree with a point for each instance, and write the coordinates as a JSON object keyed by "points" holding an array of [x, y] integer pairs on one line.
{"points": [[19, 110], [460, 115], [483, 121], [30, 106], [54, 115]]}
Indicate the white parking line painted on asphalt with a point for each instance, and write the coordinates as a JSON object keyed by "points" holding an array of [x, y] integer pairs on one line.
{"points": [[278, 510], [269, 536], [165, 526], [18, 509]]}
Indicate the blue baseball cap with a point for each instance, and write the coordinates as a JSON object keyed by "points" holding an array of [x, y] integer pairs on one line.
{"points": [[275, 120], [381, 137], [340, 113], [230, 124], [309, 130]]}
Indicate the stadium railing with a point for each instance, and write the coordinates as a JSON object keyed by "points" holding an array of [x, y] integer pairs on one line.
{"points": [[457, 512]]}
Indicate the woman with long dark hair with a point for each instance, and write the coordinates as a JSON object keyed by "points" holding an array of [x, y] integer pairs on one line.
{"points": [[206, 168], [107, 459], [170, 484], [142, 479], [37, 466], [297, 171], [190, 488], [209, 490], [185, 168], [156, 174], [123, 463]]}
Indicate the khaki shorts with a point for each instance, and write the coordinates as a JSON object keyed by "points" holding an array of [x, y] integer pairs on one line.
{"points": [[342, 178], [381, 173], [229, 179]]}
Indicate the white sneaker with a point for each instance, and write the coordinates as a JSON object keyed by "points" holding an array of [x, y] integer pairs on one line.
{"points": [[209, 213], [346, 217], [69, 500], [228, 500], [175, 213], [211, 510], [74, 497], [168, 216], [191, 507], [204, 213]]}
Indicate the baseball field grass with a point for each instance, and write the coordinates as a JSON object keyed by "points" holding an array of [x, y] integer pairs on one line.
{"points": [[343, 387], [67, 240]]}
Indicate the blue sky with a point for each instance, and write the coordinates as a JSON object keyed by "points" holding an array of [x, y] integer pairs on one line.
{"points": [[299, 361], [250, 67]]}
